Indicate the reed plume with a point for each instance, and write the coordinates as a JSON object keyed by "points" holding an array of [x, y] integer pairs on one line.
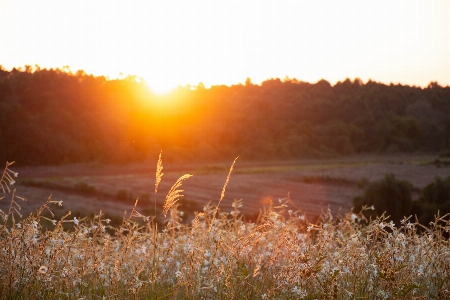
{"points": [[174, 194]]}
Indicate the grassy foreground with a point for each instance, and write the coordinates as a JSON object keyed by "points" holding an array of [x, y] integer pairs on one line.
{"points": [[218, 255]]}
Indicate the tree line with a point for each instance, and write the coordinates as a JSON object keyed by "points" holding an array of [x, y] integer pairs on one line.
{"points": [[54, 116]]}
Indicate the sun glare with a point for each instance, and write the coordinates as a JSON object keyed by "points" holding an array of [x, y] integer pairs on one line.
{"points": [[159, 85], [160, 88]]}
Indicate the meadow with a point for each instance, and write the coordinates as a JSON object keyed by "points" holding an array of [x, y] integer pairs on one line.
{"points": [[312, 185], [216, 253]]}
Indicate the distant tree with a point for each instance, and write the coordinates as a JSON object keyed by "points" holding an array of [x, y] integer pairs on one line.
{"points": [[388, 195], [435, 198]]}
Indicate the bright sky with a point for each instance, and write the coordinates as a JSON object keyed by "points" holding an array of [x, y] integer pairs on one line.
{"points": [[171, 43]]}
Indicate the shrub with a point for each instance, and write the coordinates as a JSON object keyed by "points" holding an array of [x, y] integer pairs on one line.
{"points": [[388, 195], [435, 198], [85, 188]]}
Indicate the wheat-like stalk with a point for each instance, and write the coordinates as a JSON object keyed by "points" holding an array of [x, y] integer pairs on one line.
{"points": [[174, 194], [223, 191], [226, 181], [159, 173]]}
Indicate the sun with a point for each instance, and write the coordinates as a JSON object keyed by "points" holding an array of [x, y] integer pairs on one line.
{"points": [[159, 85], [161, 88]]}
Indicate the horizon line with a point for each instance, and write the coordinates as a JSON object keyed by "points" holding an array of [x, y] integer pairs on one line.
{"points": [[141, 79]]}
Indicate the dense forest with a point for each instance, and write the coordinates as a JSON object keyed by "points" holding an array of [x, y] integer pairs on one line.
{"points": [[55, 116]]}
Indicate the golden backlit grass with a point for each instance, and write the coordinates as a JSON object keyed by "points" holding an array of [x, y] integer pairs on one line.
{"points": [[220, 256]]}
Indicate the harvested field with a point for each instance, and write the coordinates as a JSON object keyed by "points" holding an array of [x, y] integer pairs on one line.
{"points": [[254, 182]]}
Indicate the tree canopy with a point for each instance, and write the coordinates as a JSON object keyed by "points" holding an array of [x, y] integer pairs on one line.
{"points": [[52, 116]]}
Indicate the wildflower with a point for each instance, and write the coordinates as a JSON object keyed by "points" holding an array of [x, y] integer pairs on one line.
{"points": [[383, 294], [372, 207], [43, 269], [299, 292], [178, 274], [75, 221], [107, 221], [16, 174], [34, 239], [60, 203], [12, 182], [54, 222], [420, 271]]}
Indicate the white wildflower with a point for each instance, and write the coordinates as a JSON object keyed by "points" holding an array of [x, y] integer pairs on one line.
{"points": [[420, 271], [75, 221], [383, 295], [299, 292]]}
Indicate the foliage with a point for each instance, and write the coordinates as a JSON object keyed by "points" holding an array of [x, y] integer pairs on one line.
{"points": [[435, 198], [388, 196], [85, 188], [55, 117]]}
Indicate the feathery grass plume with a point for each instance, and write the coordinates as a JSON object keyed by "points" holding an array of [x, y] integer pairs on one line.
{"points": [[159, 173], [226, 181], [223, 191], [174, 194]]}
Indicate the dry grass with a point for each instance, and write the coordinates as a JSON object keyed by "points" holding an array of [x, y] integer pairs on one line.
{"points": [[281, 256]]}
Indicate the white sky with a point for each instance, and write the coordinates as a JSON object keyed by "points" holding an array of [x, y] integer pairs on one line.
{"points": [[172, 43]]}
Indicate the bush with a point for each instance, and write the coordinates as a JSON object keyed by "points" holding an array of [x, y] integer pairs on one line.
{"points": [[388, 195], [85, 188], [435, 198]]}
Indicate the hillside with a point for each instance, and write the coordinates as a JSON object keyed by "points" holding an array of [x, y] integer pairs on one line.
{"points": [[54, 117]]}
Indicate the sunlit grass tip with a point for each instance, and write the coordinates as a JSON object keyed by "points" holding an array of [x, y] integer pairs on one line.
{"points": [[159, 173], [174, 194]]}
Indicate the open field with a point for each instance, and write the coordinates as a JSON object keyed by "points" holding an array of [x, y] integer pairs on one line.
{"points": [[332, 182], [220, 256]]}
